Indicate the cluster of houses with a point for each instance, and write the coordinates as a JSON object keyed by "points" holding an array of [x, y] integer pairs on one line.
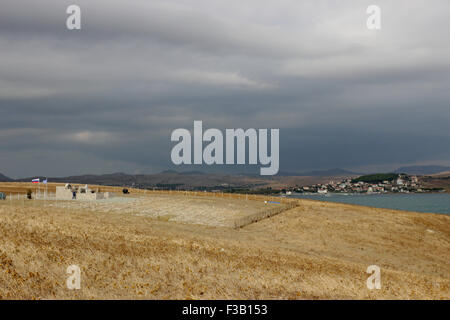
{"points": [[403, 183]]}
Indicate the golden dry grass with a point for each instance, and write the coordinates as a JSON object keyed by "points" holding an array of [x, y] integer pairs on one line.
{"points": [[315, 251]]}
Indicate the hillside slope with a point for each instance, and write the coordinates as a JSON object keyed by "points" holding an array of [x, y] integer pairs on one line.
{"points": [[316, 251], [422, 170], [4, 178]]}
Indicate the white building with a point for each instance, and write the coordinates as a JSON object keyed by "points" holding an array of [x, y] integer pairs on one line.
{"points": [[81, 193]]}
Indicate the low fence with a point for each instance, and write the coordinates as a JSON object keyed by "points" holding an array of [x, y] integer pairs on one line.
{"points": [[216, 195], [22, 199], [283, 203], [245, 221], [36, 196]]}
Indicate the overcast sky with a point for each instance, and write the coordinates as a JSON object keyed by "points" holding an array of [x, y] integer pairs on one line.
{"points": [[107, 97]]}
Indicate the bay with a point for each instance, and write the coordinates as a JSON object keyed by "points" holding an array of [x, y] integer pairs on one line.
{"points": [[431, 202]]}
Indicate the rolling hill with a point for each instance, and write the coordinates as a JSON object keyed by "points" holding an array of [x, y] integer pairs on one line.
{"points": [[422, 170], [336, 172], [4, 178], [197, 180]]}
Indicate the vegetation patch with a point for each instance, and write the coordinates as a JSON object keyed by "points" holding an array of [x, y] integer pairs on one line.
{"points": [[376, 178]]}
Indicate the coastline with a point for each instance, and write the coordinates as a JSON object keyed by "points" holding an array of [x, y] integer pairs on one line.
{"points": [[438, 203]]}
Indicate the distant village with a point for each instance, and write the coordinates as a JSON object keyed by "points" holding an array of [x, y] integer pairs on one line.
{"points": [[379, 183], [376, 183]]}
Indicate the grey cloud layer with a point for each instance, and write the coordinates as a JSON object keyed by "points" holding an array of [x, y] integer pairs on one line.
{"points": [[112, 92]]}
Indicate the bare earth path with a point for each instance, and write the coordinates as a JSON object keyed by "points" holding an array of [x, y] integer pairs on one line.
{"points": [[318, 250]]}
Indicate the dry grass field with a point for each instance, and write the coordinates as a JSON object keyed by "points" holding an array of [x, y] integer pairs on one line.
{"points": [[314, 251], [180, 208]]}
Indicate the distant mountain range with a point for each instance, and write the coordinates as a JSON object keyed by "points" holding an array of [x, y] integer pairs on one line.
{"points": [[182, 172], [422, 170], [196, 179], [4, 178], [330, 173], [168, 178], [321, 173]]}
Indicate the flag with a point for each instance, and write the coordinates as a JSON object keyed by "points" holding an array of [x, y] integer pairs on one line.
{"points": [[35, 180]]}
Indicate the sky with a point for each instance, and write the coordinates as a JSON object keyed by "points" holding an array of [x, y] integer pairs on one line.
{"points": [[106, 98]]}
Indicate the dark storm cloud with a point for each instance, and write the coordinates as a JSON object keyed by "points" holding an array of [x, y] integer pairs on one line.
{"points": [[109, 95]]}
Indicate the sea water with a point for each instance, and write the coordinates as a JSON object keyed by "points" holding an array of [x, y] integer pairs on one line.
{"points": [[429, 202]]}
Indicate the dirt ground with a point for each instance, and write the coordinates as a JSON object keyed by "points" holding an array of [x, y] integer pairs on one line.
{"points": [[315, 251], [219, 211]]}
